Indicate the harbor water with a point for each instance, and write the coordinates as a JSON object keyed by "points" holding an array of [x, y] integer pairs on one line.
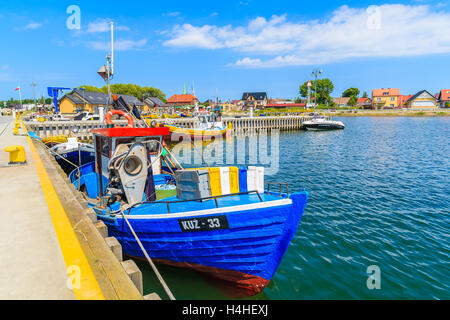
{"points": [[379, 196]]}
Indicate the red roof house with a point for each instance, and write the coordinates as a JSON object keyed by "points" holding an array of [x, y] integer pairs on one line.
{"points": [[402, 100], [385, 98], [182, 100], [443, 97], [366, 103]]}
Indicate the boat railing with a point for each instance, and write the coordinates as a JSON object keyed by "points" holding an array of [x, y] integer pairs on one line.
{"points": [[280, 185], [198, 199]]}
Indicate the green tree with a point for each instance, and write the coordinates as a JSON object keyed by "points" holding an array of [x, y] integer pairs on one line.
{"points": [[353, 101], [350, 92], [130, 89], [324, 89], [364, 94], [91, 88]]}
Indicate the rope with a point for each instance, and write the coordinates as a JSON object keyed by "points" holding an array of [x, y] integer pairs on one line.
{"points": [[158, 275]]}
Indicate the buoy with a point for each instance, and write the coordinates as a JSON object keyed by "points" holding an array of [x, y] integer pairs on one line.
{"points": [[109, 114]]}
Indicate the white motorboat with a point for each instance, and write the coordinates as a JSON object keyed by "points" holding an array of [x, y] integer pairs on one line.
{"points": [[322, 123]]}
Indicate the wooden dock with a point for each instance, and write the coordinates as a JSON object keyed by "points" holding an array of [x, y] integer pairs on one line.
{"points": [[82, 129]]}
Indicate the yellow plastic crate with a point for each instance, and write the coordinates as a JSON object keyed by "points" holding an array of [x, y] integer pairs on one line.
{"points": [[214, 181], [234, 179]]}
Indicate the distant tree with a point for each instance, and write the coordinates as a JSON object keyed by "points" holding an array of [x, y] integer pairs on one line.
{"points": [[324, 89], [353, 101], [130, 89], [298, 100], [364, 94], [91, 88], [350, 92]]}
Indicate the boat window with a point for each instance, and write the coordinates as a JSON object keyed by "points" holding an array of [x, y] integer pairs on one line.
{"points": [[152, 147], [106, 146], [124, 140]]}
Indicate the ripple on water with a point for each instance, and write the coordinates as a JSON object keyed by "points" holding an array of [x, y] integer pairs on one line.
{"points": [[378, 195]]}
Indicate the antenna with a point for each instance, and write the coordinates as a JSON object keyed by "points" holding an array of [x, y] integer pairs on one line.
{"points": [[112, 48]]}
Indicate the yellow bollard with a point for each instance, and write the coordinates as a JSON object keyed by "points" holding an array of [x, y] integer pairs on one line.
{"points": [[15, 131], [17, 124], [16, 154]]}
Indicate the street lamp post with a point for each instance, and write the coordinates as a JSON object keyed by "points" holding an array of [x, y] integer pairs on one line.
{"points": [[316, 73]]}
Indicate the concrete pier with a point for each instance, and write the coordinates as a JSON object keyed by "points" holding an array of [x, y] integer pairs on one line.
{"points": [[31, 262], [49, 245]]}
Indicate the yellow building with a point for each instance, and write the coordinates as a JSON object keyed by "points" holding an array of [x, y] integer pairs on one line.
{"points": [[385, 98], [422, 100], [156, 105], [81, 100]]}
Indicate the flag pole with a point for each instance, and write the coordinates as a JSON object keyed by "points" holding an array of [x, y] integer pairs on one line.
{"points": [[20, 98]]}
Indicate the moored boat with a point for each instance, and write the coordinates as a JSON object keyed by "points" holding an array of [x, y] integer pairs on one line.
{"points": [[221, 221], [320, 123], [72, 153], [209, 126]]}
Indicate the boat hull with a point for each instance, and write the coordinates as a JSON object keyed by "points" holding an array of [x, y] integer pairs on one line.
{"points": [[322, 127], [85, 155], [245, 251]]}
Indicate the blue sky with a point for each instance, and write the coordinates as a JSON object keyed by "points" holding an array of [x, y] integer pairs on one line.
{"points": [[228, 46]]}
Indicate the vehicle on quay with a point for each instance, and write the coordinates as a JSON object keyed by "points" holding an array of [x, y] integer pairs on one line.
{"points": [[86, 116]]}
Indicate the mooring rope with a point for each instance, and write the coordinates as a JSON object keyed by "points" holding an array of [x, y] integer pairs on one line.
{"points": [[158, 275]]}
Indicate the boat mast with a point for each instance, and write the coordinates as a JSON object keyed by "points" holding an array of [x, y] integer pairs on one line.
{"points": [[110, 64], [107, 71]]}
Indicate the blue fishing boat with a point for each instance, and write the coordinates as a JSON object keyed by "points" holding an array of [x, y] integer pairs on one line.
{"points": [[221, 221], [72, 153]]}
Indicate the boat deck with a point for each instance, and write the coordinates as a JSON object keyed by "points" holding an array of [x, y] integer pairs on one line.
{"points": [[174, 205]]}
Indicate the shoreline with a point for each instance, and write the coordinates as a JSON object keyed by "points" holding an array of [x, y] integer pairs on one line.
{"points": [[391, 114]]}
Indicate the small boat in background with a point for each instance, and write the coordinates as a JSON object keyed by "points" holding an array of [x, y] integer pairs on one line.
{"points": [[320, 123], [72, 152], [209, 126]]}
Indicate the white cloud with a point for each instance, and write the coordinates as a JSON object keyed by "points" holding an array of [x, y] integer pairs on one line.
{"points": [[119, 45], [30, 26], [246, 62], [173, 14], [390, 30], [103, 25]]}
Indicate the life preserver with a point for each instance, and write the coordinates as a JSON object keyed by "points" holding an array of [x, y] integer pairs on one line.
{"points": [[109, 114]]}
